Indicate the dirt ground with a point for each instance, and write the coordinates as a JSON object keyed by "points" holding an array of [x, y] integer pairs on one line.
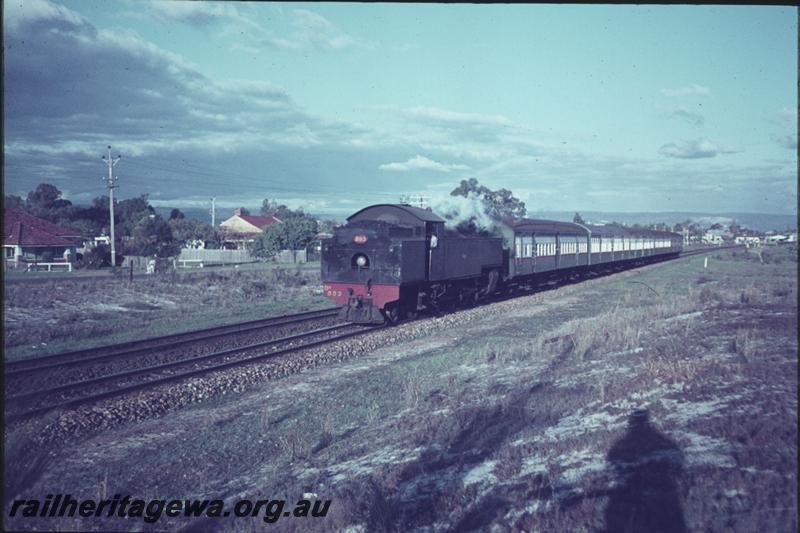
{"points": [[662, 399]]}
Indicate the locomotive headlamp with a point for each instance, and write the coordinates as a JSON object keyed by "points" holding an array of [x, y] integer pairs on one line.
{"points": [[361, 260], [360, 239]]}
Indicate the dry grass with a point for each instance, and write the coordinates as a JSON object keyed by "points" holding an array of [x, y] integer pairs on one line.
{"points": [[745, 343], [72, 312]]}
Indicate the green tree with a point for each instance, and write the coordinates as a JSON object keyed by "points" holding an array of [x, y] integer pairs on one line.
{"points": [[498, 205], [328, 225], [244, 211], [129, 213], [279, 211], [45, 202], [176, 213], [46, 196], [152, 236], [185, 230], [294, 233], [578, 219]]}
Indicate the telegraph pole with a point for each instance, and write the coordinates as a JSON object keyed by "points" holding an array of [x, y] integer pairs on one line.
{"points": [[213, 212], [111, 186]]}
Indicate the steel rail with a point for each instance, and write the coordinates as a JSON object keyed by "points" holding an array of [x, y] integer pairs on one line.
{"points": [[175, 377], [27, 366]]}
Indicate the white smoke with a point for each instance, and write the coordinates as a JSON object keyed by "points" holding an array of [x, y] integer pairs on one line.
{"points": [[459, 209]]}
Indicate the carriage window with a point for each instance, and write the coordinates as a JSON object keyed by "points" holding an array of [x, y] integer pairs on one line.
{"points": [[527, 246]]}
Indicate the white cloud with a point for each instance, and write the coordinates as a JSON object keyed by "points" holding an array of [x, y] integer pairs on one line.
{"points": [[691, 90], [422, 163], [312, 31], [443, 115], [695, 149]]}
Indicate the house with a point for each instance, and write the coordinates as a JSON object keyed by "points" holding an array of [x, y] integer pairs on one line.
{"points": [[29, 239], [776, 239], [240, 229], [748, 240], [716, 236]]}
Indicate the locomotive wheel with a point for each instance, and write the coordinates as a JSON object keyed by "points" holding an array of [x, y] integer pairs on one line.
{"points": [[392, 313]]}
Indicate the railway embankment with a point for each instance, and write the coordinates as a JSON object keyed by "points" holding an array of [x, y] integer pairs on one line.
{"points": [[671, 388]]}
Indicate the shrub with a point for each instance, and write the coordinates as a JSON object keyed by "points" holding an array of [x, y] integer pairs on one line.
{"points": [[97, 257]]}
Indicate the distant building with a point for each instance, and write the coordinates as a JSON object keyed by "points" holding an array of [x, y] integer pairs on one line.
{"points": [[716, 236], [748, 240], [240, 229], [777, 238], [30, 239]]}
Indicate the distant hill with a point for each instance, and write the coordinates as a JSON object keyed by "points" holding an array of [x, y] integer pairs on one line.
{"points": [[756, 221]]}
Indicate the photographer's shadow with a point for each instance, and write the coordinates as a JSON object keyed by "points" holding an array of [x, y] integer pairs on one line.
{"points": [[647, 466]]}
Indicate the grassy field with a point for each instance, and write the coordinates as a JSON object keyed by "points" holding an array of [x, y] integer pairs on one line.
{"points": [[72, 313], [660, 399]]}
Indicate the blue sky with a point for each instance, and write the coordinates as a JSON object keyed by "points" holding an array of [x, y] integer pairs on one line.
{"points": [[334, 106]]}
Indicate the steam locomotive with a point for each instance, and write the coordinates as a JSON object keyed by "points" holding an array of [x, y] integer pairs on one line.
{"points": [[391, 261]]}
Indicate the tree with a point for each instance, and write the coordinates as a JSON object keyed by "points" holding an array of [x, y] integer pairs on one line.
{"points": [[152, 236], [279, 211], [45, 202], [11, 201], [185, 230], [578, 219], [328, 225], [46, 196], [243, 211], [294, 233], [498, 205], [268, 244], [97, 257], [176, 214], [129, 213]]}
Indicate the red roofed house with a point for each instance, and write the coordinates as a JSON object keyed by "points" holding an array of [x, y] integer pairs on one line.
{"points": [[241, 229], [30, 239]]}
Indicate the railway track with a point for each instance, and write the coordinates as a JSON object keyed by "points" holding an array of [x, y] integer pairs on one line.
{"points": [[38, 402], [27, 367], [34, 403]]}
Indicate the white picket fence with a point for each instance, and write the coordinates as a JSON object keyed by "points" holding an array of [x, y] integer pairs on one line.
{"points": [[217, 257], [190, 257]]}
